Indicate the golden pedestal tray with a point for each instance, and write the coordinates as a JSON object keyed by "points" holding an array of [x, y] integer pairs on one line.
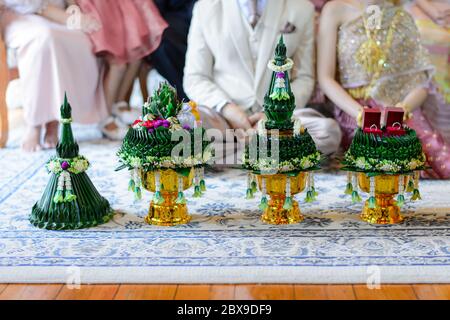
{"points": [[169, 213], [276, 186], [386, 187]]}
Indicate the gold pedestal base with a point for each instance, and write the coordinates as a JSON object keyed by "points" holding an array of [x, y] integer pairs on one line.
{"points": [[386, 212], [169, 213], [275, 214], [276, 189]]}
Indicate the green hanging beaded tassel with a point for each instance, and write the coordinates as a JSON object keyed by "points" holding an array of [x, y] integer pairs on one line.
{"points": [[250, 194], [70, 197], [311, 192], [416, 193], [157, 197], [356, 198], [137, 185], [401, 192], [197, 192], [197, 189], [181, 198], [410, 188], [313, 187], [131, 183], [254, 185], [58, 198], [264, 201], [202, 180], [372, 199], [349, 188], [288, 203]]}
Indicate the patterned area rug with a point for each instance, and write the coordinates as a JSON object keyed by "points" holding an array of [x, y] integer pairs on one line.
{"points": [[225, 243]]}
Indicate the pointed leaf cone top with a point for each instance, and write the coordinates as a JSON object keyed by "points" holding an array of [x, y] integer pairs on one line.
{"points": [[280, 52], [67, 147], [164, 103]]}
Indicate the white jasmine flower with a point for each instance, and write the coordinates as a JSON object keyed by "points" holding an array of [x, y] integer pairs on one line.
{"points": [[306, 163], [361, 163], [80, 165], [135, 162], [414, 164]]}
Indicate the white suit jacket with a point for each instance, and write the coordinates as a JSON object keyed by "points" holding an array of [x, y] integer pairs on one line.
{"points": [[219, 63]]}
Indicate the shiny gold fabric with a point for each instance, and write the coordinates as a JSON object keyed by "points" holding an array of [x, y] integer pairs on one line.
{"points": [[405, 68]]}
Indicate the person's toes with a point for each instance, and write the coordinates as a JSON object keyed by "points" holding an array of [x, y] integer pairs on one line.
{"points": [[50, 142], [31, 142], [51, 135], [48, 146], [30, 146]]}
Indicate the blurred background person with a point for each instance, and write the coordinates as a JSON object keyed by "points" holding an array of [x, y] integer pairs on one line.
{"points": [[169, 58], [229, 46], [52, 60], [128, 31], [352, 77]]}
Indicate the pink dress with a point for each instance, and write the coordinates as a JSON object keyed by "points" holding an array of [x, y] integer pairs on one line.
{"points": [[436, 40], [407, 67], [130, 30]]}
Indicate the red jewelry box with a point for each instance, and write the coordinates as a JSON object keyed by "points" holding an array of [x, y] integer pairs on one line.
{"points": [[394, 121], [372, 120]]}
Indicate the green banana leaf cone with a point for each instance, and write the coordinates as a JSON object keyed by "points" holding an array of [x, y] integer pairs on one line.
{"points": [[70, 200]]}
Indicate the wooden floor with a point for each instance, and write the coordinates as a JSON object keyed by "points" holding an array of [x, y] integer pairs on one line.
{"points": [[223, 292]]}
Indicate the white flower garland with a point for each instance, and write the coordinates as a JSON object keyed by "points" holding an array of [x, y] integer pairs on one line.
{"points": [[62, 168], [77, 165], [286, 67]]}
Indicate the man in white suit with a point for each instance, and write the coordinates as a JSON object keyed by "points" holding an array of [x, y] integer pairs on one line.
{"points": [[230, 43]]}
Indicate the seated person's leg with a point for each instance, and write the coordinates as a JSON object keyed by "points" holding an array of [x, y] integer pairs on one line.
{"points": [[168, 60], [325, 131]]}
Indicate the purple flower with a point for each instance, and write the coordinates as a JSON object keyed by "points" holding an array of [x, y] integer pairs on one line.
{"points": [[166, 124], [186, 127], [280, 75], [65, 165], [151, 130]]}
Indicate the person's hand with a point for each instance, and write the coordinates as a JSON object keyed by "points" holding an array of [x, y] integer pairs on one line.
{"points": [[360, 116], [256, 118], [236, 117], [77, 20], [407, 109]]}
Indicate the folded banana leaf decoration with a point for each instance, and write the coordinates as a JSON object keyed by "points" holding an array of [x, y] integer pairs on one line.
{"points": [[288, 171], [70, 200]]}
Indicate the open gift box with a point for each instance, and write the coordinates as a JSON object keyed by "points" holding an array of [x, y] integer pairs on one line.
{"points": [[394, 121], [371, 121]]}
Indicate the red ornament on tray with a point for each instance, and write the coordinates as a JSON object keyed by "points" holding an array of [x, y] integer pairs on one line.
{"points": [[394, 121], [372, 120]]}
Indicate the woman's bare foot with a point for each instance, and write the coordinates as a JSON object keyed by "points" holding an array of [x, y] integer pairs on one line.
{"points": [[31, 142], [51, 135]]}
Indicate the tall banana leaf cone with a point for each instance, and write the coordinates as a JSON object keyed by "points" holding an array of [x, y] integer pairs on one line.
{"points": [[281, 157], [70, 200]]}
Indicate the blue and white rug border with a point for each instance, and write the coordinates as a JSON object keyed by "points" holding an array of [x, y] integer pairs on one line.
{"points": [[227, 275]]}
